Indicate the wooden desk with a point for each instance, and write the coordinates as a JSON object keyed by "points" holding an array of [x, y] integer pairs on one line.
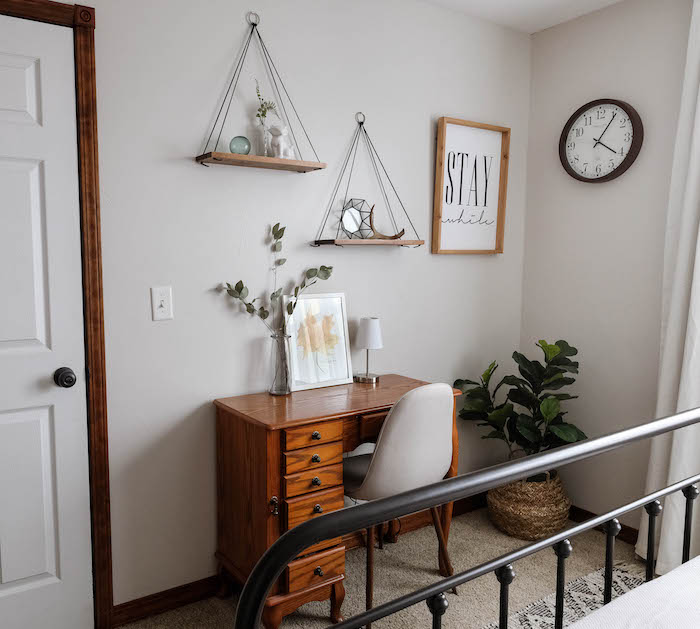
{"points": [[279, 463]]}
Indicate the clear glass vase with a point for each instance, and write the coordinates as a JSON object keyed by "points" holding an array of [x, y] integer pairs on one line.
{"points": [[280, 364], [265, 138]]}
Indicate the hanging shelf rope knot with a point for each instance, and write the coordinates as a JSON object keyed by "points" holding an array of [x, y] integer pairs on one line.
{"points": [[210, 154], [356, 219]]}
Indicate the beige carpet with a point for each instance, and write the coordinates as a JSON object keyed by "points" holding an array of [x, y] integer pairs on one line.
{"points": [[412, 562]]}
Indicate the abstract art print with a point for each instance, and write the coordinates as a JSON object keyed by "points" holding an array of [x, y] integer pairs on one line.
{"points": [[319, 343]]}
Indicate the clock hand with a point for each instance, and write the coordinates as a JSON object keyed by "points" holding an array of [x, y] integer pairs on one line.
{"points": [[597, 142], [606, 146]]}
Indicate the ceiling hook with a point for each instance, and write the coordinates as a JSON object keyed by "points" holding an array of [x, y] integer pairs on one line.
{"points": [[253, 18], [360, 117]]}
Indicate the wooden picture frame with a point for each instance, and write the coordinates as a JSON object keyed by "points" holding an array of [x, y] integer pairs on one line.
{"points": [[305, 372], [465, 167]]}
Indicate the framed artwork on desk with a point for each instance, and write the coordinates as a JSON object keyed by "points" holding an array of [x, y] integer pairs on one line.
{"points": [[471, 181], [319, 347]]}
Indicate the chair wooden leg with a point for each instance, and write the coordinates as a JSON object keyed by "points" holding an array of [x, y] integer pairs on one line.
{"points": [[381, 536], [369, 582], [443, 554]]}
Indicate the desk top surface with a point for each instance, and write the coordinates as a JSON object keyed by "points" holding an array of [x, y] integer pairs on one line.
{"points": [[303, 407]]}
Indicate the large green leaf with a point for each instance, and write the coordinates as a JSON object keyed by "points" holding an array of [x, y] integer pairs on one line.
{"points": [[528, 429], [549, 407], [563, 396], [486, 376], [479, 392], [465, 385], [550, 351], [476, 404], [498, 417], [523, 397], [566, 432], [558, 384], [465, 413], [566, 349], [496, 434], [526, 368]]}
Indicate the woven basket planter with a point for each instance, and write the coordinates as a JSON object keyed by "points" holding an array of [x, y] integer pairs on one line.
{"points": [[530, 509]]}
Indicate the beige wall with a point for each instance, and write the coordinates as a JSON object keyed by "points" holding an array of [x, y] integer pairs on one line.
{"points": [[161, 67], [594, 253]]}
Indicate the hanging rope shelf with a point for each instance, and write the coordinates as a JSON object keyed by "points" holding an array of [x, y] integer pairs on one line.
{"points": [[356, 222], [211, 155]]}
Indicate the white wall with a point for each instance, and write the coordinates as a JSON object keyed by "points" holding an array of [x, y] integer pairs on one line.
{"points": [[594, 253], [161, 68]]}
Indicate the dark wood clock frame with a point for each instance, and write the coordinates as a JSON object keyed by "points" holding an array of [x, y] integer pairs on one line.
{"points": [[637, 139]]}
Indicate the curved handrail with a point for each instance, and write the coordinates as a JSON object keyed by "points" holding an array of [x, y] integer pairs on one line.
{"points": [[338, 523]]}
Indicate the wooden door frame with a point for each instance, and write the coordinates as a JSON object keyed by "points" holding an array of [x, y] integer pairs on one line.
{"points": [[82, 20]]}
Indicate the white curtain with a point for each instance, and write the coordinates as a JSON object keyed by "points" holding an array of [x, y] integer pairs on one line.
{"points": [[676, 456]]}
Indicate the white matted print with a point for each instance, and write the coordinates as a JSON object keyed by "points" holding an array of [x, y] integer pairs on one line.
{"points": [[319, 343], [471, 176]]}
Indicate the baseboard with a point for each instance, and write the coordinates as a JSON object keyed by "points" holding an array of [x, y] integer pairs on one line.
{"points": [[164, 601], [627, 534], [198, 590]]}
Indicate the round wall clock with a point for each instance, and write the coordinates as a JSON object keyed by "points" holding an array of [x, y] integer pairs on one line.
{"points": [[601, 140]]}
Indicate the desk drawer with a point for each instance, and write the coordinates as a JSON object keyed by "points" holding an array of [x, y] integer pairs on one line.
{"points": [[371, 424], [315, 569], [310, 434], [310, 506], [313, 480], [313, 457]]}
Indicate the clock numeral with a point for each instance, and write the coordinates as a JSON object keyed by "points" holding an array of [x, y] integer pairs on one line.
{"points": [[622, 151], [579, 132], [611, 163], [598, 169], [600, 114], [587, 120], [576, 159], [571, 146], [585, 166], [628, 137], [623, 122]]}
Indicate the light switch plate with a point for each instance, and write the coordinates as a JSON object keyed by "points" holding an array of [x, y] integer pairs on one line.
{"points": [[162, 302]]}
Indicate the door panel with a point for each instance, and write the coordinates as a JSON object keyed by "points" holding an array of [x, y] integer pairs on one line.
{"points": [[45, 540]]}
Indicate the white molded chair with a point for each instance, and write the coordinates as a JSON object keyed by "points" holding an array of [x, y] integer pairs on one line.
{"points": [[414, 448]]}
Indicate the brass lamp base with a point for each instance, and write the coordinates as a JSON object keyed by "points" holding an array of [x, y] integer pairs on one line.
{"points": [[366, 378]]}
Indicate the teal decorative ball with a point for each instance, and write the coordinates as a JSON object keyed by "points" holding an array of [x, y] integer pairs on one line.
{"points": [[240, 145]]}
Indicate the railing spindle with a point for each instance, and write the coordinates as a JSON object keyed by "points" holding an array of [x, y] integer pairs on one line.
{"points": [[505, 576], [563, 551], [438, 606], [653, 509], [612, 530], [690, 492]]}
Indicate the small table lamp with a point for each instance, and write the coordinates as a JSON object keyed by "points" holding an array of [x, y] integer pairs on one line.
{"points": [[369, 336]]}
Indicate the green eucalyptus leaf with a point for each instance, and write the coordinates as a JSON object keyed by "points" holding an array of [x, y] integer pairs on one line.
{"points": [[276, 294], [239, 286], [250, 308], [296, 291], [234, 293], [290, 308], [324, 273], [311, 273], [275, 228], [263, 314], [243, 293], [277, 247], [281, 261], [280, 233]]}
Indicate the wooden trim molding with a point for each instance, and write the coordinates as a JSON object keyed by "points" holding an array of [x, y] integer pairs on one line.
{"points": [[82, 20], [164, 601]]}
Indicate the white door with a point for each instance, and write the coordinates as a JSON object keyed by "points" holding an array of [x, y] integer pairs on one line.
{"points": [[45, 553]]}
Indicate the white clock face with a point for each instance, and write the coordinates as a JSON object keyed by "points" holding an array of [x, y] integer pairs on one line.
{"points": [[599, 140]]}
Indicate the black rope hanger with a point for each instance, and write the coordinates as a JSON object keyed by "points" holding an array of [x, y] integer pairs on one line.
{"points": [[278, 87], [361, 136]]}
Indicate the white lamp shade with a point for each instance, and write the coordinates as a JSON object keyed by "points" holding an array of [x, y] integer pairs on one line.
{"points": [[369, 335]]}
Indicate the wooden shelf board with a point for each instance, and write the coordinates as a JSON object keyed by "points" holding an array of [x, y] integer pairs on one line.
{"points": [[258, 161], [370, 241]]}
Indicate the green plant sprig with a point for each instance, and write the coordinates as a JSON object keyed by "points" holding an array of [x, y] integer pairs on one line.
{"points": [[241, 292], [266, 106], [530, 418]]}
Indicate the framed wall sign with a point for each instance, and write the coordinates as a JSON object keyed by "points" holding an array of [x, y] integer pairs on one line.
{"points": [[471, 178], [319, 353]]}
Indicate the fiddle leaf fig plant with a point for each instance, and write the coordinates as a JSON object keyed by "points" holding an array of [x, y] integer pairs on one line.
{"points": [[530, 418], [270, 311]]}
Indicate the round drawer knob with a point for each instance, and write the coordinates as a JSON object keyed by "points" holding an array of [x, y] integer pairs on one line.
{"points": [[316, 481], [318, 571], [318, 509], [315, 435], [315, 458]]}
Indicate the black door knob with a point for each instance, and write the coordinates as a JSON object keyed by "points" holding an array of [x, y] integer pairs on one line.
{"points": [[65, 377]]}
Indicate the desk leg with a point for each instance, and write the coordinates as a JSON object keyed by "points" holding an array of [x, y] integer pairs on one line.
{"points": [[446, 511]]}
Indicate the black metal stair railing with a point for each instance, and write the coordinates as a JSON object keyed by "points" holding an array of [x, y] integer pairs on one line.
{"points": [[345, 521]]}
